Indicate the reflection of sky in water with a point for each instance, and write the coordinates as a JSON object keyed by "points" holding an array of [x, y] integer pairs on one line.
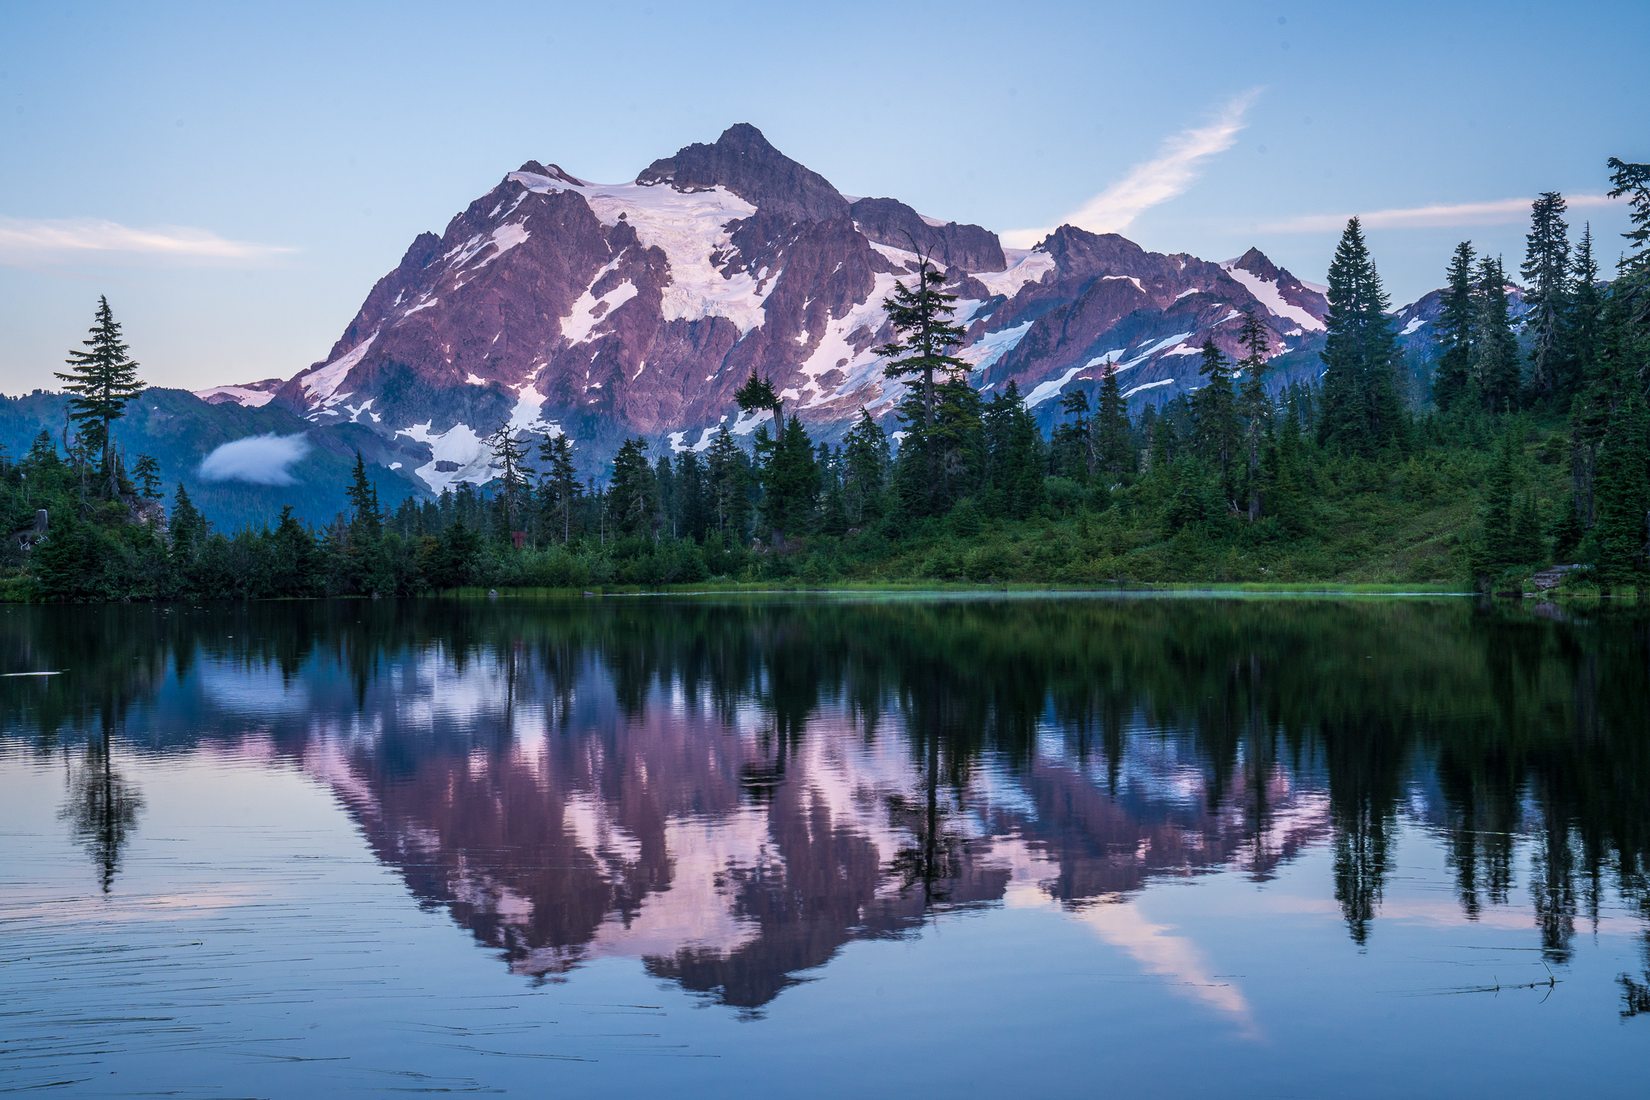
{"points": [[477, 868]]}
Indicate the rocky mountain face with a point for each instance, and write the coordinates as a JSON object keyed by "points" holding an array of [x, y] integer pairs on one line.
{"points": [[553, 304]]}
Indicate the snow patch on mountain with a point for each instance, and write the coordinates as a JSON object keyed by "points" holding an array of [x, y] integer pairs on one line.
{"points": [[1051, 388], [691, 229], [240, 395], [991, 347], [1271, 299], [1147, 386], [1024, 266], [321, 384], [459, 449], [589, 311]]}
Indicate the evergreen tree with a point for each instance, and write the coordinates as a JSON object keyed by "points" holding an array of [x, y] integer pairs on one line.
{"points": [[559, 484], [942, 463], [1494, 552], [1623, 493], [1214, 416], [728, 490], [1456, 329], [294, 558], [692, 512], [1495, 352], [1254, 406], [865, 469], [1585, 313], [920, 355], [1013, 454], [633, 495], [1074, 444], [100, 381], [509, 452], [187, 528], [932, 453], [147, 473], [366, 519], [1114, 446], [1361, 410], [1546, 271], [757, 393], [1632, 182], [1590, 409], [790, 483]]}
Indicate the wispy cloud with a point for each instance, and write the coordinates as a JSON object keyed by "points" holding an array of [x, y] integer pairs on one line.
{"points": [[31, 240], [1177, 165], [256, 460], [1494, 212]]}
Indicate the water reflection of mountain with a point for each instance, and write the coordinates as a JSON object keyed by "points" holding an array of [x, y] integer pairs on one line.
{"points": [[731, 792]]}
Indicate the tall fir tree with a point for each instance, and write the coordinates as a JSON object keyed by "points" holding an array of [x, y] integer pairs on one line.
{"points": [[790, 484], [728, 477], [509, 453], [1495, 352], [865, 469], [559, 484], [632, 497], [1254, 407], [1361, 411], [757, 393], [366, 518], [1457, 322], [1014, 475], [1113, 443], [1214, 416], [920, 356], [1623, 494], [1546, 272], [1595, 396], [147, 475], [101, 380]]}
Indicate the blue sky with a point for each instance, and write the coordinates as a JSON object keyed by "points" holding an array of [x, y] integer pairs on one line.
{"points": [[235, 176]]}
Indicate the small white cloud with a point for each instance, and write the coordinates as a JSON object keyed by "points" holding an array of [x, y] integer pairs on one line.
{"points": [[256, 460], [25, 240], [1166, 176], [1494, 212]]}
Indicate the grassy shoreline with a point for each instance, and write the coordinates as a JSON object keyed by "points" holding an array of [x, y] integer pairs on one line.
{"points": [[919, 587]]}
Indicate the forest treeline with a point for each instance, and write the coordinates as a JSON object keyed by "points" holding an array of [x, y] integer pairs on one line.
{"points": [[1532, 447]]}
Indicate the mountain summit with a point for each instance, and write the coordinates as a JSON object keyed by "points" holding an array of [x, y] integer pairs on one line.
{"points": [[603, 311]]}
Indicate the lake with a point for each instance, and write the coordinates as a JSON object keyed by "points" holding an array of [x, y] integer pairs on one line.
{"points": [[826, 846]]}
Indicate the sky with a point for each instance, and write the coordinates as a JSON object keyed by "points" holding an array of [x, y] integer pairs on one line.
{"points": [[235, 177]]}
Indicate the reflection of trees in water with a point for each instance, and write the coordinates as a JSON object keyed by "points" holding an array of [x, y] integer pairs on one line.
{"points": [[102, 807], [1509, 725]]}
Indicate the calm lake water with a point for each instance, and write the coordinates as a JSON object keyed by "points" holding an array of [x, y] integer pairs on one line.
{"points": [[826, 847]]}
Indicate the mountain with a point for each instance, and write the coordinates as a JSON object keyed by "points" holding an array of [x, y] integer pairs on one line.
{"points": [[555, 304]]}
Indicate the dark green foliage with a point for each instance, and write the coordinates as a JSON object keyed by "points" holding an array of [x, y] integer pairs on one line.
{"points": [[1546, 272], [146, 474], [1254, 411], [1362, 413], [1014, 460], [558, 487], [1623, 494], [1113, 441], [101, 380], [633, 494], [790, 481], [865, 462], [1457, 326], [1215, 417], [1494, 367]]}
